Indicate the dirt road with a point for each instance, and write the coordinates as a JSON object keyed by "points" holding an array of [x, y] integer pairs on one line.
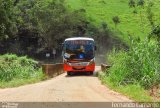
{"points": [[62, 88]]}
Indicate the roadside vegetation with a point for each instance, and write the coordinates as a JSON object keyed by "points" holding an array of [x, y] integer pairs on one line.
{"points": [[140, 64], [135, 71], [138, 67], [16, 71]]}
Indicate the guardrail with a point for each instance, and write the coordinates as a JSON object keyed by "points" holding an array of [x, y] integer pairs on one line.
{"points": [[104, 67], [52, 70]]}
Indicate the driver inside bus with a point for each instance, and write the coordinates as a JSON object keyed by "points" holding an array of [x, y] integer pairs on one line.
{"points": [[82, 48]]}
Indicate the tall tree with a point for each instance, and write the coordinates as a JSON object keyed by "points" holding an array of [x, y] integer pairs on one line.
{"points": [[7, 20], [54, 22]]}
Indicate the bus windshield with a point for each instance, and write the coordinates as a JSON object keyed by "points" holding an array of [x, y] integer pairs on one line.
{"points": [[79, 49]]}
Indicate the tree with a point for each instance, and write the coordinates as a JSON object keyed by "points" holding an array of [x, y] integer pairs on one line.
{"points": [[141, 3], [39, 24], [55, 23], [7, 20], [132, 3], [104, 25], [116, 20]]}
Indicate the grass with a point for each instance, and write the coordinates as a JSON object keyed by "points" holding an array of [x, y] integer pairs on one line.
{"points": [[140, 64], [133, 91], [20, 82], [16, 71], [135, 72], [99, 11]]}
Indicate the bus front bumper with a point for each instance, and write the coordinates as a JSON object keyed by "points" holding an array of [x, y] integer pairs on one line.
{"points": [[88, 68]]}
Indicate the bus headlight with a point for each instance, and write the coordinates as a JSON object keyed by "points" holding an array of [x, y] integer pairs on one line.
{"points": [[64, 61], [91, 62]]}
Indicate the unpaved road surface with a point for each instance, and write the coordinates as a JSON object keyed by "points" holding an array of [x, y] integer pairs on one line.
{"points": [[80, 88]]}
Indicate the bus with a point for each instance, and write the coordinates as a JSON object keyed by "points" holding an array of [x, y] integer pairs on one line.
{"points": [[79, 55]]}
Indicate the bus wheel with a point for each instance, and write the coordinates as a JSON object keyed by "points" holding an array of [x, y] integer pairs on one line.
{"points": [[69, 73], [91, 73]]}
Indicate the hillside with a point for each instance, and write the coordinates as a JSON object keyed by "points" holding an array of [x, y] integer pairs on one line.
{"points": [[136, 24]]}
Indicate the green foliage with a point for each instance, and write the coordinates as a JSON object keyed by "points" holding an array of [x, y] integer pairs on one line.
{"points": [[141, 3], [132, 3], [54, 22], [46, 20], [13, 67], [134, 91], [116, 20], [156, 33], [141, 64], [7, 20]]}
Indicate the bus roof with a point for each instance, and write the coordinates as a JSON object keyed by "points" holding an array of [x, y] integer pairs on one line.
{"points": [[79, 38]]}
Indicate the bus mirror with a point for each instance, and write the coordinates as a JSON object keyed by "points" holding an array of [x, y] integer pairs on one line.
{"points": [[95, 48]]}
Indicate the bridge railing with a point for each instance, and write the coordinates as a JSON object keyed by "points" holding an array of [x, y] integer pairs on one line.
{"points": [[52, 70]]}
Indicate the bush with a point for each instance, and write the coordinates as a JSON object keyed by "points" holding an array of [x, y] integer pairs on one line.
{"points": [[13, 67], [141, 64]]}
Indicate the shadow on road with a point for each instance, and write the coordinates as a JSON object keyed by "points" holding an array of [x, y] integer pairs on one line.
{"points": [[77, 74]]}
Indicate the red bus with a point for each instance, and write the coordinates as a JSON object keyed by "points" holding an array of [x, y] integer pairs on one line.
{"points": [[79, 55]]}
